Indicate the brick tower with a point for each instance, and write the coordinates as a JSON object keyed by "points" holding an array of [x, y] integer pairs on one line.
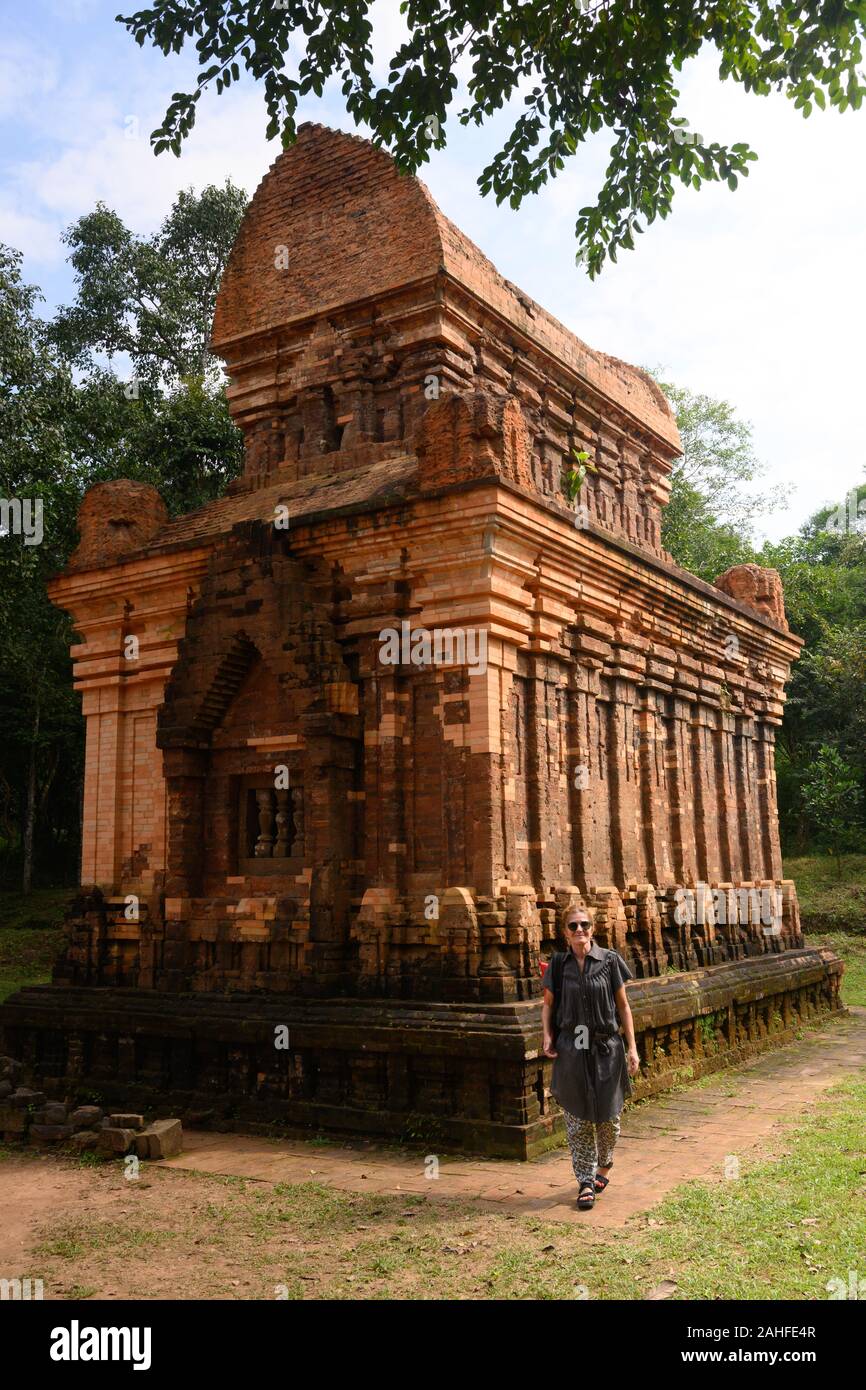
{"points": [[359, 732]]}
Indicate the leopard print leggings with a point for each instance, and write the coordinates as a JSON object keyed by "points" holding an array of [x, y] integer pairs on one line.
{"points": [[591, 1145]]}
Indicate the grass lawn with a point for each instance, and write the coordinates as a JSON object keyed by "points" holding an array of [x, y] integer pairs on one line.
{"points": [[781, 1230], [830, 901], [31, 935]]}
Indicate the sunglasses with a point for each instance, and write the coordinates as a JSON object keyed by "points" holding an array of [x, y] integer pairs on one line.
{"points": [[578, 926]]}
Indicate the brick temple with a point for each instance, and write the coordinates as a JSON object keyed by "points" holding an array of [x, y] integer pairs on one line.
{"points": [[360, 731]]}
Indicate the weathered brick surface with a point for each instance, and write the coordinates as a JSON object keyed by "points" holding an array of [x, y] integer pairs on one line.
{"points": [[760, 589], [114, 519], [472, 1075], [618, 744], [409, 418], [378, 303]]}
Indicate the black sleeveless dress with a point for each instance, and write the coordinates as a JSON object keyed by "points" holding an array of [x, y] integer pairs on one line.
{"points": [[590, 1072]]}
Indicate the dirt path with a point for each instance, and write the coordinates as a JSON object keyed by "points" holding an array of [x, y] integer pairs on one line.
{"points": [[175, 1234]]}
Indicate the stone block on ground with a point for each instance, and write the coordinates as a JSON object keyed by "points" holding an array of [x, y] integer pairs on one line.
{"points": [[24, 1097], [84, 1140], [162, 1139], [115, 1140], [123, 1121], [13, 1120], [50, 1134], [54, 1113], [199, 1119], [86, 1116]]}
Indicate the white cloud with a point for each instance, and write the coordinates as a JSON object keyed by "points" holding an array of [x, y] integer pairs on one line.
{"points": [[37, 235], [27, 76]]}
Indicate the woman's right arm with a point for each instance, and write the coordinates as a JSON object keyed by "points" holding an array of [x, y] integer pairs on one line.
{"points": [[547, 1024]]}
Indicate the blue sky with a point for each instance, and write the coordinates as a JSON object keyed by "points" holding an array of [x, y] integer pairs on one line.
{"points": [[755, 296]]}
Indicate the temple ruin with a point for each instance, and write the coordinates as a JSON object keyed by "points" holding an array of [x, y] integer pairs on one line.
{"points": [[361, 730]]}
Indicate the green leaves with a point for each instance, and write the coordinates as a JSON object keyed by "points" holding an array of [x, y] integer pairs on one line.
{"points": [[833, 798], [707, 523], [151, 299], [823, 571], [707, 526], [575, 477], [66, 422], [605, 67]]}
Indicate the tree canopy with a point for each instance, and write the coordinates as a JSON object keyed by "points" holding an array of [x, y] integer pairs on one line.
{"points": [[580, 67], [708, 525], [708, 522], [823, 569], [151, 298], [67, 421]]}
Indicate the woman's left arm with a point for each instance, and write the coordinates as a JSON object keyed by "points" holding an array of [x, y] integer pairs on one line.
{"points": [[624, 1010]]}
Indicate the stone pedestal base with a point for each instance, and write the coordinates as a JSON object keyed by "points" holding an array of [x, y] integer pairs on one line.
{"points": [[460, 1077]]}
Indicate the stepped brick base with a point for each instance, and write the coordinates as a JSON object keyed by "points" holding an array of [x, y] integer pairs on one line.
{"points": [[467, 1077]]}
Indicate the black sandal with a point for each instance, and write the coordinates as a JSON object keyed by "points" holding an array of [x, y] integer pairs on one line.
{"points": [[600, 1178], [586, 1203]]}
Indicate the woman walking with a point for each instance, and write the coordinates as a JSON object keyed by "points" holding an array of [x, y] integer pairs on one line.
{"points": [[584, 990]]}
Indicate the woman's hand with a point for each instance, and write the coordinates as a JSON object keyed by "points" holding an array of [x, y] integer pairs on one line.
{"points": [[548, 1049], [633, 1062]]}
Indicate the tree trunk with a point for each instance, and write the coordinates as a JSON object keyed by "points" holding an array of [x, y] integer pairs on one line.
{"points": [[30, 812]]}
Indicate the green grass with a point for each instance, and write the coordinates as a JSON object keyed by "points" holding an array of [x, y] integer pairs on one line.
{"points": [[780, 1230], [73, 1240], [828, 901], [833, 912], [31, 936], [43, 909], [783, 1228]]}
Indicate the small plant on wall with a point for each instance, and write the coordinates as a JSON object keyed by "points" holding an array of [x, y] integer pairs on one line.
{"points": [[575, 475], [706, 1028]]}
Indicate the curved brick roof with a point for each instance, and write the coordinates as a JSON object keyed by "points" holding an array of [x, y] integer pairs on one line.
{"points": [[352, 225], [355, 228]]}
